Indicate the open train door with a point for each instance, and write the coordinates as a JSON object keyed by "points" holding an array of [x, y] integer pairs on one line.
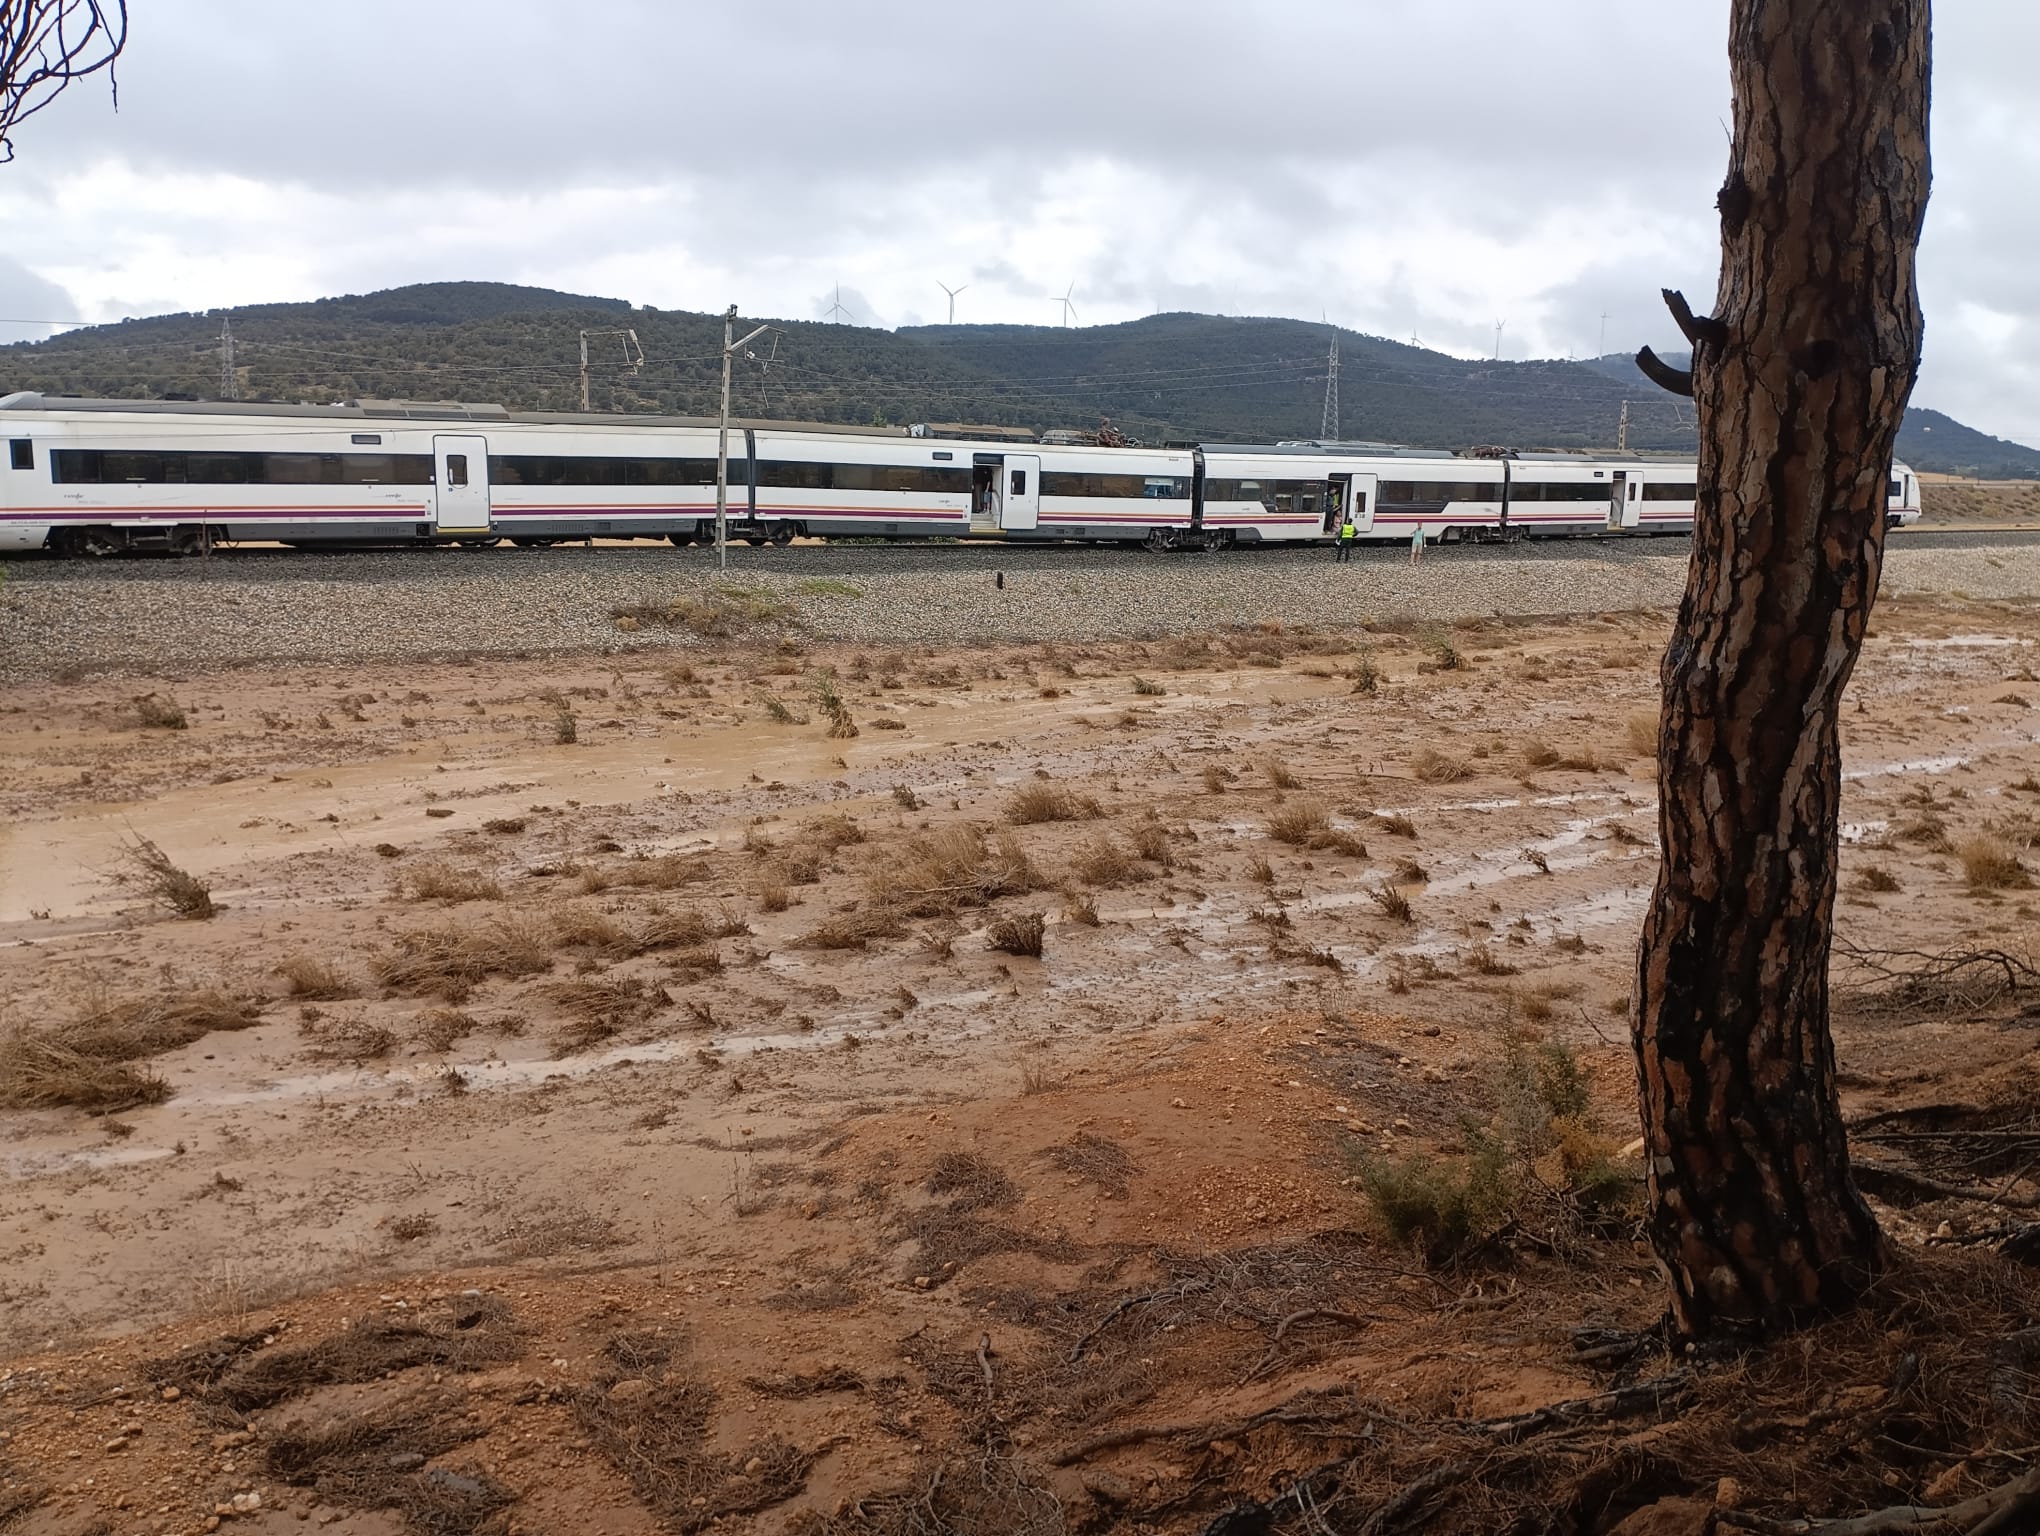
{"points": [[1020, 488], [460, 485], [1360, 498], [1618, 500]]}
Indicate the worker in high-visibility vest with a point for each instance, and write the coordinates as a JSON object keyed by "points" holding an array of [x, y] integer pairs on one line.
{"points": [[1348, 532]]}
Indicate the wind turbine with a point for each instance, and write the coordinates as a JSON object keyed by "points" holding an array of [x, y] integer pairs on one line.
{"points": [[1498, 338], [1069, 309], [952, 292], [837, 308]]}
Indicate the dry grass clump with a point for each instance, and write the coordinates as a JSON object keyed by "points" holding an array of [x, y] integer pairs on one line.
{"points": [[1147, 688], [599, 1007], [441, 1029], [1878, 880], [1392, 904], [127, 1029], [1338, 840], [1018, 933], [1410, 871], [685, 928], [448, 963], [1105, 861], [661, 872], [354, 1040], [1640, 734], [1989, 864], [772, 896], [951, 868], [905, 798], [1098, 1160], [658, 1434], [314, 980], [1435, 767], [1445, 656], [857, 928], [1151, 841], [140, 866], [448, 883], [40, 1071], [1396, 824], [463, 1334], [1483, 961], [1280, 774], [159, 712], [972, 1181], [1217, 777], [777, 711], [841, 726], [366, 1459], [1297, 822], [1538, 753], [1035, 803]]}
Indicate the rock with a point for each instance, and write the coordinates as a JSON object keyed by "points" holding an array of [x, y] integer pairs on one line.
{"points": [[1108, 1487], [632, 1390], [1401, 1124], [230, 1441], [406, 1461], [753, 1467], [1728, 1494], [117, 1443], [171, 1394], [247, 1503], [1432, 1075], [922, 1282], [1670, 1517]]}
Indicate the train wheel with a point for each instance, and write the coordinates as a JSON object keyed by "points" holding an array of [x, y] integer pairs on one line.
{"points": [[1160, 539], [478, 543], [755, 540], [534, 543], [782, 535]]}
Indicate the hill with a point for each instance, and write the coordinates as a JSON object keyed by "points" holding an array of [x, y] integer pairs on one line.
{"points": [[1927, 440], [1171, 376]]}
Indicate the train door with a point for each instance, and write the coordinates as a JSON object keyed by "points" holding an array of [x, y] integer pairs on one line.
{"points": [[1618, 500], [1335, 502], [984, 493], [1020, 492], [460, 484], [1360, 499]]}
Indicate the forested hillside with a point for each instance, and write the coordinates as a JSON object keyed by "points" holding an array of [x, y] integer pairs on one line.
{"points": [[1176, 376]]}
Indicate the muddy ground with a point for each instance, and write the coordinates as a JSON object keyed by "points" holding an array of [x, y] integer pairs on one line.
{"points": [[667, 1128]]}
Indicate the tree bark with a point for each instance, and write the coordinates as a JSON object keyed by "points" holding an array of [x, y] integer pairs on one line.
{"points": [[1799, 381]]}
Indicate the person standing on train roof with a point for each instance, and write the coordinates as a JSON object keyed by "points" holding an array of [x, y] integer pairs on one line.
{"points": [[1348, 532], [1417, 545]]}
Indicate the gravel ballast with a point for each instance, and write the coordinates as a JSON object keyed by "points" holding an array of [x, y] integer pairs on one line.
{"points": [[147, 615]]}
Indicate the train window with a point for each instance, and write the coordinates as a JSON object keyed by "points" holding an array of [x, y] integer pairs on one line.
{"points": [[1435, 493], [21, 453], [1148, 487], [1895, 493], [1019, 482], [1668, 490], [456, 469], [93, 466]]}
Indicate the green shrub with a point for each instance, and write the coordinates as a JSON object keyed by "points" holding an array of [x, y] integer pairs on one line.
{"points": [[1448, 1205]]}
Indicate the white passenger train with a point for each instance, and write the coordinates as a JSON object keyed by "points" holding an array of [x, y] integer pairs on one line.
{"points": [[106, 476]]}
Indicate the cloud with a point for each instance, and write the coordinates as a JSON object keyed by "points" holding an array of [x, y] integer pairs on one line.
{"points": [[1403, 168], [25, 296]]}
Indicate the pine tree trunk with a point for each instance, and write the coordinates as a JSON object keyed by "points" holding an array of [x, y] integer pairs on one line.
{"points": [[1799, 383]]}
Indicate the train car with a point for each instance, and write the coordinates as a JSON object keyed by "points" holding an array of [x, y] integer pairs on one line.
{"points": [[1659, 498]]}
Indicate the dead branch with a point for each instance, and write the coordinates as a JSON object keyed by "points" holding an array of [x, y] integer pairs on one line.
{"points": [[1664, 1391], [1696, 328], [1678, 380], [1391, 1512], [1202, 1432], [1871, 1175], [47, 44], [1308, 1314], [1167, 1293], [984, 1359], [2001, 1511]]}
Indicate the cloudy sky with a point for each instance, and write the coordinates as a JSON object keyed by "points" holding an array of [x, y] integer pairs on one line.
{"points": [[1410, 168]]}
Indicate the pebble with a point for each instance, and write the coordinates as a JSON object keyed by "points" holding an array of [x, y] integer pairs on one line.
{"points": [[405, 604]]}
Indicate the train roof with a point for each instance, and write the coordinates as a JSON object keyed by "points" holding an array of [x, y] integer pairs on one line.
{"points": [[416, 410]]}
